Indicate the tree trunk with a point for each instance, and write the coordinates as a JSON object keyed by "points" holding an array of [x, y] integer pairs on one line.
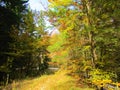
{"points": [[93, 49], [91, 35], [7, 79]]}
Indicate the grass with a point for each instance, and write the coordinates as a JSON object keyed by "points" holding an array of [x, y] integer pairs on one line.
{"points": [[58, 81]]}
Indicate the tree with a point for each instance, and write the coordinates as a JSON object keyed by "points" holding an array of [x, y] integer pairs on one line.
{"points": [[95, 26], [10, 16], [58, 53], [30, 48], [23, 49]]}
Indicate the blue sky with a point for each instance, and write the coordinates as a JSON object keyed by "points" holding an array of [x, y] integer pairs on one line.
{"points": [[36, 4]]}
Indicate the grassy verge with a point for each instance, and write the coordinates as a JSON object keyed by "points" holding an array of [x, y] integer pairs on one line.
{"points": [[58, 81]]}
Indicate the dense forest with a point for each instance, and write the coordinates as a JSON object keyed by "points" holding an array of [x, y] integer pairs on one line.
{"points": [[87, 45], [23, 41], [89, 41]]}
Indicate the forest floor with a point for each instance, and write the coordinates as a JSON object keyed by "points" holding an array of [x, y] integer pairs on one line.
{"points": [[58, 81]]}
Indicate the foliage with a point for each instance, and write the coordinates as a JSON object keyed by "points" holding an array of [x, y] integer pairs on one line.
{"points": [[99, 75], [92, 29], [11, 14], [57, 51], [23, 45]]}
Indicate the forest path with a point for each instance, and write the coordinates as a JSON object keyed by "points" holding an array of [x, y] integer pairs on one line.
{"points": [[58, 81]]}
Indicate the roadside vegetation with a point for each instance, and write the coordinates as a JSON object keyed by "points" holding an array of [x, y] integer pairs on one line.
{"points": [[58, 81]]}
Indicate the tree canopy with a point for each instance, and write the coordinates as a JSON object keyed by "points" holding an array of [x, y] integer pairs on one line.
{"points": [[23, 44], [92, 42]]}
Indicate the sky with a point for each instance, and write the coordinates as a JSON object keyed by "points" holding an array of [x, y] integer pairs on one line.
{"points": [[42, 5], [38, 4]]}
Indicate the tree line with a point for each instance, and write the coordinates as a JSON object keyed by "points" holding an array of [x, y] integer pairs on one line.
{"points": [[23, 41], [90, 30]]}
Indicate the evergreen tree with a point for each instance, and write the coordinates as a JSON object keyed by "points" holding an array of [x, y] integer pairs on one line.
{"points": [[10, 17]]}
